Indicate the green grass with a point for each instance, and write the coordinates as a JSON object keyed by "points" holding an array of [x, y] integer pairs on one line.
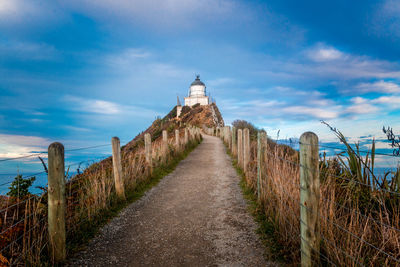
{"points": [[266, 230], [77, 240]]}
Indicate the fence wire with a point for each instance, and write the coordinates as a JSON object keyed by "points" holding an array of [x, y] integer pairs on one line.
{"points": [[379, 250]]}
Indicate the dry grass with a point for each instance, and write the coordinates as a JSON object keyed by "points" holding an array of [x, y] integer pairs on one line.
{"points": [[354, 219], [90, 196]]}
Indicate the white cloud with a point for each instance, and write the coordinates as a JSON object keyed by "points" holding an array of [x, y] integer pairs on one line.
{"points": [[393, 101], [379, 87], [318, 63], [359, 100], [362, 108], [106, 108], [20, 145], [94, 105], [321, 113], [321, 54], [25, 13]]}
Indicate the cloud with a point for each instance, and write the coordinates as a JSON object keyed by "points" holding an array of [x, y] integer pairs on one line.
{"points": [[221, 82], [106, 108], [386, 20], [28, 51], [77, 129], [393, 101], [126, 57], [379, 87], [26, 13], [319, 64], [321, 113], [363, 108], [94, 105], [156, 14], [321, 54], [21, 145]]}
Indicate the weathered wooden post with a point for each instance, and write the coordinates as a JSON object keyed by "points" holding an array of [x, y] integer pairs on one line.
{"points": [[259, 153], [240, 147], [229, 139], [164, 144], [117, 167], [56, 202], [148, 151], [234, 141], [177, 139], [224, 134], [186, 136], [246, 149], [309, 200]]}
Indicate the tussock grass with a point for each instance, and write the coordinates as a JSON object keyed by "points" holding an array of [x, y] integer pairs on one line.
{"points": [[351, 214], [91, 202]]}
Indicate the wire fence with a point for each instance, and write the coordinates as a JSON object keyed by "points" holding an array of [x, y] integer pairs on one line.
{"points": [[358, 222], [23, 227], [90, 188]]}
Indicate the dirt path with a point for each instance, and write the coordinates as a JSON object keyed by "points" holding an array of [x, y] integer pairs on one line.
{"points": [[195, 216]]}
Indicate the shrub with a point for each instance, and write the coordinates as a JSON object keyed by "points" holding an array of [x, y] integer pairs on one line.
{"points": [[20, 186]]}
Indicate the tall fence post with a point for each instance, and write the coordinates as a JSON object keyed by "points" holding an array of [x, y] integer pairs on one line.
{"points": [[229, 133], [148, 150], [177, 139], [240, 147], [164, 144], [246, 149], [234, 141], [259, 153], [309, 200], [117, 167], [186, 136], [56, 201]]}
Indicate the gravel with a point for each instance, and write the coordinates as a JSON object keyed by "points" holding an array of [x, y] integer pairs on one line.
{"points": [[196, 216]]}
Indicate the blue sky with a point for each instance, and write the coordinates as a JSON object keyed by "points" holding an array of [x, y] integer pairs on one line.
{"points": [[83, 71]]}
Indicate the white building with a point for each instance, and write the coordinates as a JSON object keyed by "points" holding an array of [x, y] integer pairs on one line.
{"points": [[197, 93]]}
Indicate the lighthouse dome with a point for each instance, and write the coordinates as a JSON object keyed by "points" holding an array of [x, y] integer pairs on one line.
{"points": [[197, 88]]}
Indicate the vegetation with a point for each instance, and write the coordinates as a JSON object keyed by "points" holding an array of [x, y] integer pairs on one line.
{"points": [[20, 187], [90, 198], [242, 124], [359, 208], [394, 141]]}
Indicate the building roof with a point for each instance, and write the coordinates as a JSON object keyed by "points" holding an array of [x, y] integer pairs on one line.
{"points": [[197, 81]]}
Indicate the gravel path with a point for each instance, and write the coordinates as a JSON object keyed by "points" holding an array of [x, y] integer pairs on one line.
{"points": [[196, 216]]}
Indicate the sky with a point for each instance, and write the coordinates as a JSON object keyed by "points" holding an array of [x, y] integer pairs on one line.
{"points": [[82, 71]]}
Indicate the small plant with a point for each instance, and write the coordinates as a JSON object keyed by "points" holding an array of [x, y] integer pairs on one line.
{"points": [[395, 141], [20, 186]]}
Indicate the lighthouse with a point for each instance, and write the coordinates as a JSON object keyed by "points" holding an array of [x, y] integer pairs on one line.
{"points": [[197, 93]]}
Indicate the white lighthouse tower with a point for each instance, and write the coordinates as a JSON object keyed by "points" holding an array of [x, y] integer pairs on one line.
{"points": [[197, 93]]}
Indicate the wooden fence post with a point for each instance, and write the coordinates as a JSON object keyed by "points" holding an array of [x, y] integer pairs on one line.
{"points": [[148, 150], [309, 200], [56, 201], [229, 133], [234, 141], [259, 153], [240, 147], [117, 167], [164, 144], [246, 149], [186, 136], [177, 139]]}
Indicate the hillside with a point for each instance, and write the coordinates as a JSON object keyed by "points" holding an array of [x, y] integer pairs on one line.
{"points": [[197, 115]]}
